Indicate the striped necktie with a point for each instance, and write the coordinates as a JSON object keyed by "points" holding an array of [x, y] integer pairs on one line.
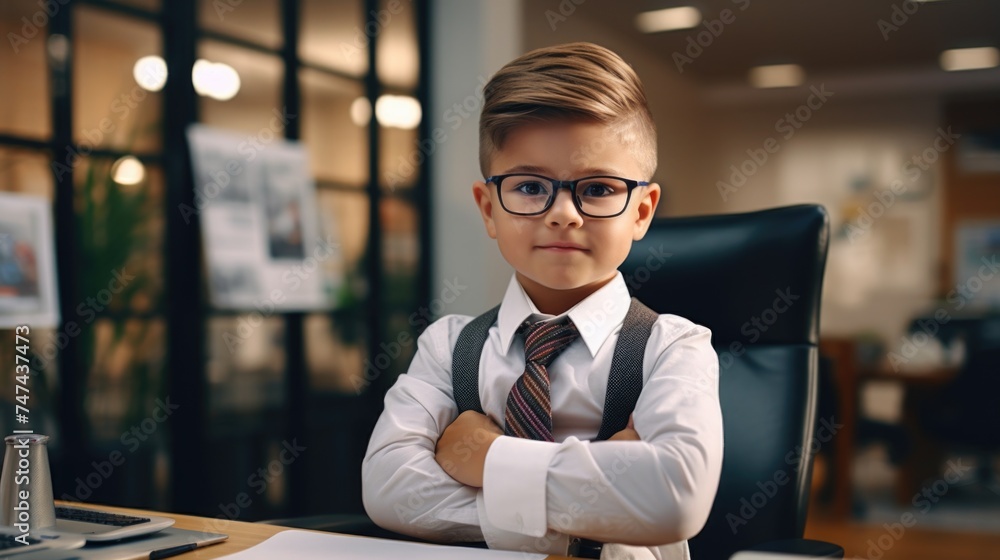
{"points": [[529, 407]]}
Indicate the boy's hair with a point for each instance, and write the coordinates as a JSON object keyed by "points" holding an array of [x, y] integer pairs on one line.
{"points": [[575, 81]]}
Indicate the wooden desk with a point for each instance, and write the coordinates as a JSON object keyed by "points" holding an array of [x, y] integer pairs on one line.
{"points": [[925, 457], [849, 379], [242, 535]]}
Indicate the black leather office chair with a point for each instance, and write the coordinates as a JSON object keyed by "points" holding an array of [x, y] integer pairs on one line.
{"points": [[723, 272], [755, 280]]}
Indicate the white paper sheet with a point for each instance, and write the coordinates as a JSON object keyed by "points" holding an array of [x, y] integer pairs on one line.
{"points": [[307, 545], [260, 228]]}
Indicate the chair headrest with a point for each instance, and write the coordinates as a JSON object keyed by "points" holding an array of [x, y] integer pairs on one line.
{"points": [[754, 277]]}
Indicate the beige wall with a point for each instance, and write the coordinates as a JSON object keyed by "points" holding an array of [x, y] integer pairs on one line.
{"points": [[469, 274], [875, 281]]}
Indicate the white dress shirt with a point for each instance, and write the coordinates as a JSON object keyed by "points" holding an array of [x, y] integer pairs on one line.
{"points": [[657, 491]]}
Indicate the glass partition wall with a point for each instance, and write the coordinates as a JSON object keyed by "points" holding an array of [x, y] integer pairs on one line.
{"points": [[147, 403]]}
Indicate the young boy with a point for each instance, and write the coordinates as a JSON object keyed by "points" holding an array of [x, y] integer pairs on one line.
{"points": [[572, 116]]}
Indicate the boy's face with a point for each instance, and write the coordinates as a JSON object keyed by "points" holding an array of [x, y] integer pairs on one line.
{"points": [[565, 151]]}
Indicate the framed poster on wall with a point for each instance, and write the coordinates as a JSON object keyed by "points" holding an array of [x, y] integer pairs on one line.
{"points": [[27, 262], [977, 250], [262, 240]]}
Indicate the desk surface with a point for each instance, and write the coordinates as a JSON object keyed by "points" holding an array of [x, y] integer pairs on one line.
{"points": [[242, 535]]}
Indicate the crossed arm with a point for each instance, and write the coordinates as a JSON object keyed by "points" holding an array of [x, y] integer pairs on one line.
{"points": [[435, 474], [461, 450]]}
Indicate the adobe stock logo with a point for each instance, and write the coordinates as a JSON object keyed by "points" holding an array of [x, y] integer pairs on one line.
{"points": [[566, 9], [32, 26], [922, 502], [766, 490], [142, 431], [899, 16], [698, 42], [787, 126]]}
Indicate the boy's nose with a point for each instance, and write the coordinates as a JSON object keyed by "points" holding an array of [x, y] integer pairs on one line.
{"points": [[563, 211]]}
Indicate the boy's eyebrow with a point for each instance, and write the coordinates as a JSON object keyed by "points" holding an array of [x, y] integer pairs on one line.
{"points": [[526, 169], [547, 172]]}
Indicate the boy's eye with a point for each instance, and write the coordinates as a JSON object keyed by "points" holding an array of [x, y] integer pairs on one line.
{"points": [[532, 188], [596, 190]]}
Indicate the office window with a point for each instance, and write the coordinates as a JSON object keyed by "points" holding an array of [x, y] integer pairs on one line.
{"points": [[125, 378], [336, 341], [25, 111], [402, 157], [333, 36], [344, 215], [150, 5], [110, 107], [256, 107], [256, 21], [398, 53], [121, 234], [25, 171], [245, 365], [117, 135], [401, 255], [335, 115], [335, 352]]}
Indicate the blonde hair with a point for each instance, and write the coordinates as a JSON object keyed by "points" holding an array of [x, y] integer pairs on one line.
{"points": [[575, 81]]}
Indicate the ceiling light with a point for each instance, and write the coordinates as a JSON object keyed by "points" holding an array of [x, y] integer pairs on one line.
{"points": [[398, 111], [128, 171], [150, 72], [970, 59], [777, 75], [215, 79], [361, 111], [669, 19]]}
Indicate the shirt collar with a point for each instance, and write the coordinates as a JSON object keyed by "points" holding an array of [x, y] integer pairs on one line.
{"points": [[596, 317]]}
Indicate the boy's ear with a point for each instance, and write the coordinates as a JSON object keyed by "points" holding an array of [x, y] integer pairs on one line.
{"points": [[646, 210], [481, 193]]}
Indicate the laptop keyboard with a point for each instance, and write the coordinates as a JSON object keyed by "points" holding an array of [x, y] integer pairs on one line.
{"points": [[99, 517]]}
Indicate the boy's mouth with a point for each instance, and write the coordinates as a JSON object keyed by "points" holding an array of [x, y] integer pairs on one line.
{"points": [[562, 247]]}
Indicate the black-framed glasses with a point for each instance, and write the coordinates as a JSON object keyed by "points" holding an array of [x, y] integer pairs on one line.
{"points": [[599, 196]]}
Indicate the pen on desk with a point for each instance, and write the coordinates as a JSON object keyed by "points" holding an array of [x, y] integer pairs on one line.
{"points": [[172, 551]]}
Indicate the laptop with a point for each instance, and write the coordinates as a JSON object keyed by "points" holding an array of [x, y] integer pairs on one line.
{"points": [[162, 544], [103, 526], [39, 540]]}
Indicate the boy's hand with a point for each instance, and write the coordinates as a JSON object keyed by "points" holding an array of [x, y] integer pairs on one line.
{"points": [[461, 450], [628, 433]]}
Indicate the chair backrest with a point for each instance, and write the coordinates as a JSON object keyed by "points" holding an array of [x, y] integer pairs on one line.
{"points": [[755, 280]]}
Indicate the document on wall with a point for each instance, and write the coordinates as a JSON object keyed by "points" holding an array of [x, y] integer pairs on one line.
{"points": [[977, 244], [256, 204], [28, 293], [308, 545]]}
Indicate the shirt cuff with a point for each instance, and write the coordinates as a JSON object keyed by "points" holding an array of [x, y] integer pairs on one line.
{"points": [[552, 543], [514, 478]]}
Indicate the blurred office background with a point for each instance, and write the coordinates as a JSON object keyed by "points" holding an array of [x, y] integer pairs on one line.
{"points": [[887, 113]]}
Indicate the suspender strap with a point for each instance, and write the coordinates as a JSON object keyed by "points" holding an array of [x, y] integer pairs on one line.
{"points": [[465, 360], [625, 379]]}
